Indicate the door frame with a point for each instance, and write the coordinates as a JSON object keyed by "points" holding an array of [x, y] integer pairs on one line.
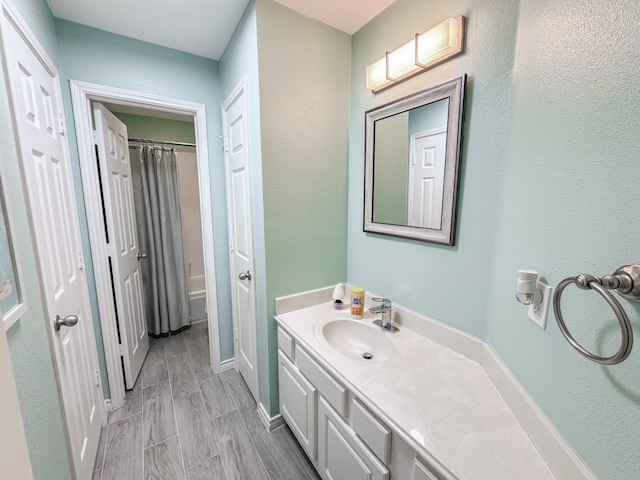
{"points": [[82, 94]]}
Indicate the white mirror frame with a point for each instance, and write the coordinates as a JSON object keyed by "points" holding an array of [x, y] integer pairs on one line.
{"points": [[454, 91], [17, 309]]}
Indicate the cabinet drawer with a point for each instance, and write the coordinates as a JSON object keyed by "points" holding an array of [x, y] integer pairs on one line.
{"points": [[374, 433], [320, 378], [286, 343], [341, 454]]}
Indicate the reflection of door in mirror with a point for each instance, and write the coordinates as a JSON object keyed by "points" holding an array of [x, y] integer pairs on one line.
{"points": [[426, 178], [409, 166]]}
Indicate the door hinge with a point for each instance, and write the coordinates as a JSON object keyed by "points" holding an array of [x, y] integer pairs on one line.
{"points": [[96, 137], [108, 249], [235, 334], [97, 377], [62, 124], [225, 142], [121, 350], [80, 260]]}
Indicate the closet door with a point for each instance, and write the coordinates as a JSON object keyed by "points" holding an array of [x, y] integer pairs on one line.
{"points": [[122, 247], [37, 110]]}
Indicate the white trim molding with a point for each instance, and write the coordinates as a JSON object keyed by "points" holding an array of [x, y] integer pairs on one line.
{"points": [[227, 364], [270, 423], [82, 94]]}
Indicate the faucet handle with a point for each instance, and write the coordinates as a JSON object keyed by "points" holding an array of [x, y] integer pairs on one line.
{"points": [[385, 301]]}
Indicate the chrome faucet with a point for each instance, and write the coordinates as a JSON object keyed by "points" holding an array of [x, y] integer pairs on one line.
{"points": [[385, 310]]}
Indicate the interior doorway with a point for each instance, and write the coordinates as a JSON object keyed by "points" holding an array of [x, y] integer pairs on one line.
{"points": [[83, 96]]}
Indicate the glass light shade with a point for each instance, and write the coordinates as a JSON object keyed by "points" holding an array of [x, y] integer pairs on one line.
{"points": [[425, 50], [439, 43], [402, 61], [377, 74]]}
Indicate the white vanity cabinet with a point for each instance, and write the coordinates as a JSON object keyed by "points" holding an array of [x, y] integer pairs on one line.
{"points": [[298, 404], [343, 439], [341, 453]]}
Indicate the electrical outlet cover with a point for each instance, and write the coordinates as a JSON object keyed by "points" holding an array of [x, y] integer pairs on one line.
{"points": [[538, 311]]}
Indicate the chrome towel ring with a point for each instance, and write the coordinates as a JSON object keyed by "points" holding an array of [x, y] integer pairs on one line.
{"points": [[625, 281]]}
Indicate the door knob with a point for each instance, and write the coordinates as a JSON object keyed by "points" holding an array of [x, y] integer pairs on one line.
{"points": [[245, 276], [142, 256], [68, 321]]}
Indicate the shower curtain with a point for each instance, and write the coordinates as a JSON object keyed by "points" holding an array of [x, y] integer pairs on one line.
{"points": [[157, 205]]}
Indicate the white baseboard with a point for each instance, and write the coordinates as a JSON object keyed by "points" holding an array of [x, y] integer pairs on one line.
{"points": [[227, 364], [270, 423]]}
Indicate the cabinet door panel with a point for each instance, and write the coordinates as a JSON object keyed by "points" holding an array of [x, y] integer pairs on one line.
{"points": [[298, 404], [423, 473], [341, 454]]}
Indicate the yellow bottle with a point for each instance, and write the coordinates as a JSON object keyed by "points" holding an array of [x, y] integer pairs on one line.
{"points": [[357, 302]]}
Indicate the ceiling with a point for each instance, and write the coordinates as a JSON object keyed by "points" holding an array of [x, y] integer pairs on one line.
{"points": [[201, 27]]}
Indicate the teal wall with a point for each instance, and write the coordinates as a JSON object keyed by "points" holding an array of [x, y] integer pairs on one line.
{"points": [[549, 173], [304, 110], [428, 117], [567, 208], [28, 339], [100, 57], [140, 126], [240, 60], [381, 263]]}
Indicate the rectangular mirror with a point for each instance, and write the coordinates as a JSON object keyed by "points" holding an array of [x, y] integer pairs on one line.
{"points": [[412, 160], [12, 304]]}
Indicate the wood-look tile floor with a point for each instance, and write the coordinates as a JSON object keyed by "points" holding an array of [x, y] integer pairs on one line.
{"points": [[182, 422]]}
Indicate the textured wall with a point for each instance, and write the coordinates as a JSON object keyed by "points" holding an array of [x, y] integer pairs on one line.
{"points": [[140, 126], [28, 338], [448, 283], [304, 105], [549, 174], [568, 208], [240, 59], [100, 57]]}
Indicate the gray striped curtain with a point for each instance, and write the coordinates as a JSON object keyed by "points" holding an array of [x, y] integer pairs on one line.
{"points": [[157, 204]]}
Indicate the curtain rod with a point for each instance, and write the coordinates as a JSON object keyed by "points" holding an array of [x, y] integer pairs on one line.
{"points": [[148, 140]]}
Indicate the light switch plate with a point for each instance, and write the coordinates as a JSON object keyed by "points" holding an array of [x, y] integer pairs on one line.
{"points": [[538, 311]]}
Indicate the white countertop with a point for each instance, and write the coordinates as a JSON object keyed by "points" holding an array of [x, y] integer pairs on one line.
{"points": [[444, 401]]}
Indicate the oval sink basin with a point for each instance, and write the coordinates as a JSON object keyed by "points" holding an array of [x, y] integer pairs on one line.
{"points": [[358, 340]]}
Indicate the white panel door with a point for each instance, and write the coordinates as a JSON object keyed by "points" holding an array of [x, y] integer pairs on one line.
{"points": [[234, 115], [117, 187], [37, 104], [426, 178]]}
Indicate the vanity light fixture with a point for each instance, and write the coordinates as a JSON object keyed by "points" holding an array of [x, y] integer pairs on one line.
{"points": [[534, 293], [424, 51]]}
